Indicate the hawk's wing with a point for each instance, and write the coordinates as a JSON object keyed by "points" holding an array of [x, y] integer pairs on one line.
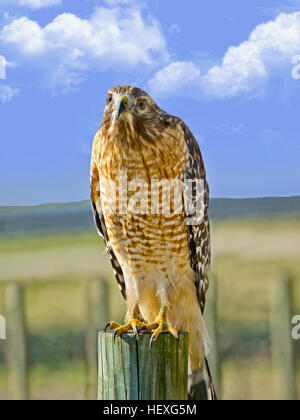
{"points": [[98, 215], [199, 232], [201, 385]]}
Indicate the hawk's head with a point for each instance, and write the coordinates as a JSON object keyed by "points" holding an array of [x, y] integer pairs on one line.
{"points": [[131, 112], [128, 102]]}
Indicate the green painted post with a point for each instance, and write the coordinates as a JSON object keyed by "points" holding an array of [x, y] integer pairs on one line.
{"points": [[211, 320], [282, 348], [97, 310], [16, 348], [130, 370]]}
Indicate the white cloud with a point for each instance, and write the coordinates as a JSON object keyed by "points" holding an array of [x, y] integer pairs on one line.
{"points": [[233, 128], [245, 69], [173, 77], [117, 2], [269, 135], [33, 4], [70, 47], [26, 34], [7, 93]]}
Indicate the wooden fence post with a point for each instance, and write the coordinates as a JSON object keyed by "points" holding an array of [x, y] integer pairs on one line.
{"points": [[97, 307], [130, 370], [211, 319], [16, 348], [282, 344]]}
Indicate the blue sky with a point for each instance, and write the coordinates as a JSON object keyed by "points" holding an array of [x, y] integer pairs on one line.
{"points": [[229, 69]]}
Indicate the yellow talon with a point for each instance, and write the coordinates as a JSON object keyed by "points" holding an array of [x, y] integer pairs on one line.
{"points": [[134, 325], [158, 327], [148, 328]]}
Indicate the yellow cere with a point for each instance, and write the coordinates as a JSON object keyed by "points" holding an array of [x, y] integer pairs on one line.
{"points": [[125, 100]]}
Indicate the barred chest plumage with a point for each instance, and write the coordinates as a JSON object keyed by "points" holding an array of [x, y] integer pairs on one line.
{"points": [[148, 246]]}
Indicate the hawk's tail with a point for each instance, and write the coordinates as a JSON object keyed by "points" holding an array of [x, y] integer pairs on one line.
{"points": [[201, 387]]}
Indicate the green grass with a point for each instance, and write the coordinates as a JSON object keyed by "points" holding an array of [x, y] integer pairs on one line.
{"points": [[19, 244], [60, 382], [249, 255]]}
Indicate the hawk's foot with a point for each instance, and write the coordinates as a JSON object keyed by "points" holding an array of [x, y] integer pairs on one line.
{"points": [[158, 327], [133, 324]]}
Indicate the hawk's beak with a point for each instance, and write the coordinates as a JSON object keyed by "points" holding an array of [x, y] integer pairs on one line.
{"points": [[123, 105]]}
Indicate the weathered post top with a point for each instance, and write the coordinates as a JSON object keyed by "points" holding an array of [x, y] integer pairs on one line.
{"points": [[130, 370]]}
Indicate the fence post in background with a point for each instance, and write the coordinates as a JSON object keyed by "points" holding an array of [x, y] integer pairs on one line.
{"points": [[282, 348], [16, 346], [97, 309], [130, 370], [211, 319]]}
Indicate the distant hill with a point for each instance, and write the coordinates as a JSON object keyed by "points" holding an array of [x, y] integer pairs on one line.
{"points": [[78, 216], [223, 208]]}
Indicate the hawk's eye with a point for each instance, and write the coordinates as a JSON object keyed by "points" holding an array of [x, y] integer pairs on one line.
{"points": [[142, 105], [109, 99]]}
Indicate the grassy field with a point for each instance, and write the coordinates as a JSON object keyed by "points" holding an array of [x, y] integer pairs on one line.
{"points": [[249, 256]]}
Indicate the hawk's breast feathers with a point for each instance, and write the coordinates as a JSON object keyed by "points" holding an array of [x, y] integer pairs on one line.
{"points": [[162, 148]]}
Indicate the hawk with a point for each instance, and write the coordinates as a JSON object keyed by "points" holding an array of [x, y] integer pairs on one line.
{"points": [[160, 256]]}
